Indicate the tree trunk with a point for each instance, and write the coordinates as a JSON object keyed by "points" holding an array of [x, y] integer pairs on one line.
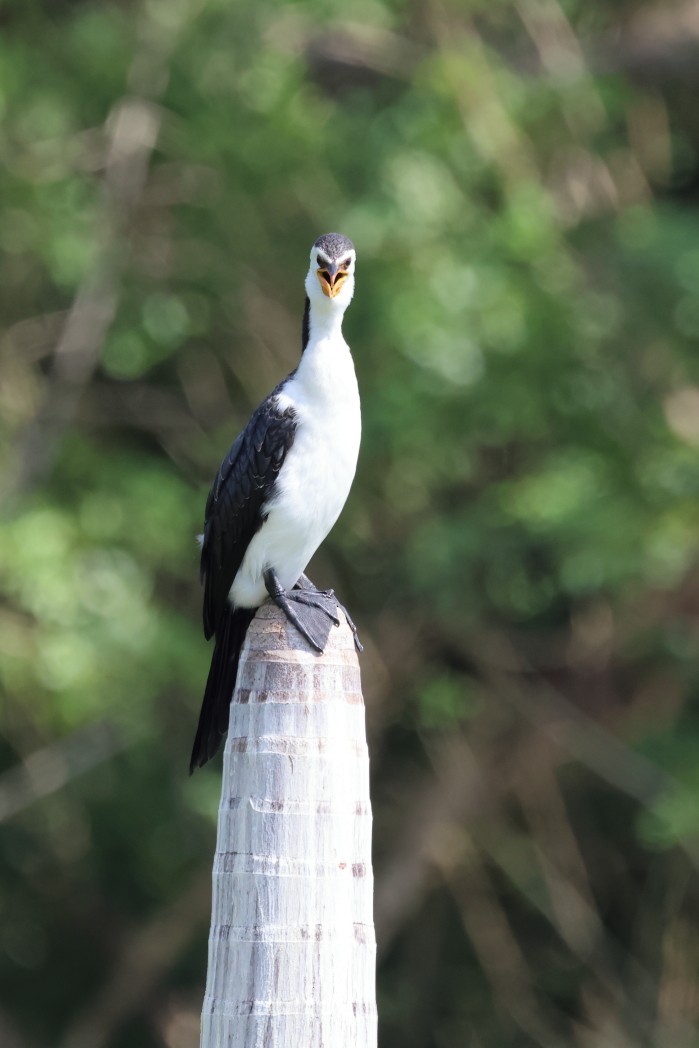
{"points": [[292, 948]]}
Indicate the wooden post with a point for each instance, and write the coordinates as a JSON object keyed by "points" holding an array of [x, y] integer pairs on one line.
{"points": [[292, 952]]}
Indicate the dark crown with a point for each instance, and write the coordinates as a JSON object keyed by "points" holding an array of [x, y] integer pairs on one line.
{"points": [[334, 245]]}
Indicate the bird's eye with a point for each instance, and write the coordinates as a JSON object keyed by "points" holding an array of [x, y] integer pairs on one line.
{"points": [[319, 260], [346, 264]]}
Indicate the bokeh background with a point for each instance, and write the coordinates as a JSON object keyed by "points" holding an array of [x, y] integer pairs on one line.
{"points": [[520, 549]]}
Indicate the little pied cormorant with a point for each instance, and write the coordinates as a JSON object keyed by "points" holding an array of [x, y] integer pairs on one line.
{"points": [[279, 491]]}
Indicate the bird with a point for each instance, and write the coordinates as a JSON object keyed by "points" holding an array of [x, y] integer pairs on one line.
{"points": [[279, 491]]}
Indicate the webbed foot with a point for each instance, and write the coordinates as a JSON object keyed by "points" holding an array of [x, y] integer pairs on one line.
{"points": [[304, 585], [311, 611]]}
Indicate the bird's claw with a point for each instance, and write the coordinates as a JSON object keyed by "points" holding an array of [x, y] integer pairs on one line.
{"points": [[310, 600], [355, 634], [306, 593]]}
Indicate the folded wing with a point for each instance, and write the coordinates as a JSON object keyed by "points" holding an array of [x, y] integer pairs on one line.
{"points": [[235, 506]]}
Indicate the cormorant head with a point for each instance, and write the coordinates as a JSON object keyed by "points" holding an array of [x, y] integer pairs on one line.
{"points": [[330, 279]]}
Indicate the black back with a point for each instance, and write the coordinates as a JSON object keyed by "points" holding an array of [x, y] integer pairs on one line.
{"points": [[234, 508]]}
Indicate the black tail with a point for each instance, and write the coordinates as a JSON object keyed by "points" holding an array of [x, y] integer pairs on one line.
{"points": [[213, 719]]}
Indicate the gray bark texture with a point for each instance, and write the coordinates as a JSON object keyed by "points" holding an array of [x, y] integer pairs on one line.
{"points": [[292, 951]]}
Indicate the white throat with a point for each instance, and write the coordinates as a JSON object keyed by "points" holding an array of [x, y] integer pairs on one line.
{"points": [[324, 321]]}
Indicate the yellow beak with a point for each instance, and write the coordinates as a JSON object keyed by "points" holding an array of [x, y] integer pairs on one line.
{"points": [[331, 279]]}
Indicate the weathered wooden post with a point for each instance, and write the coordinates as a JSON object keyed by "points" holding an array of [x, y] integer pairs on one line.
{"points": [[292, 951]]}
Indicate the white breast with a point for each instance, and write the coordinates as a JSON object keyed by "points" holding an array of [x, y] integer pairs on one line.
{"points": [[316, 476]]}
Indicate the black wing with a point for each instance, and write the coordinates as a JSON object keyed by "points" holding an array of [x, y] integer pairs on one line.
{"points": [[233, 514]]}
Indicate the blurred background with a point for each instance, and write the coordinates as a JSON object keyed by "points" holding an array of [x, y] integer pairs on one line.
{"points": [[521, 179]]}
